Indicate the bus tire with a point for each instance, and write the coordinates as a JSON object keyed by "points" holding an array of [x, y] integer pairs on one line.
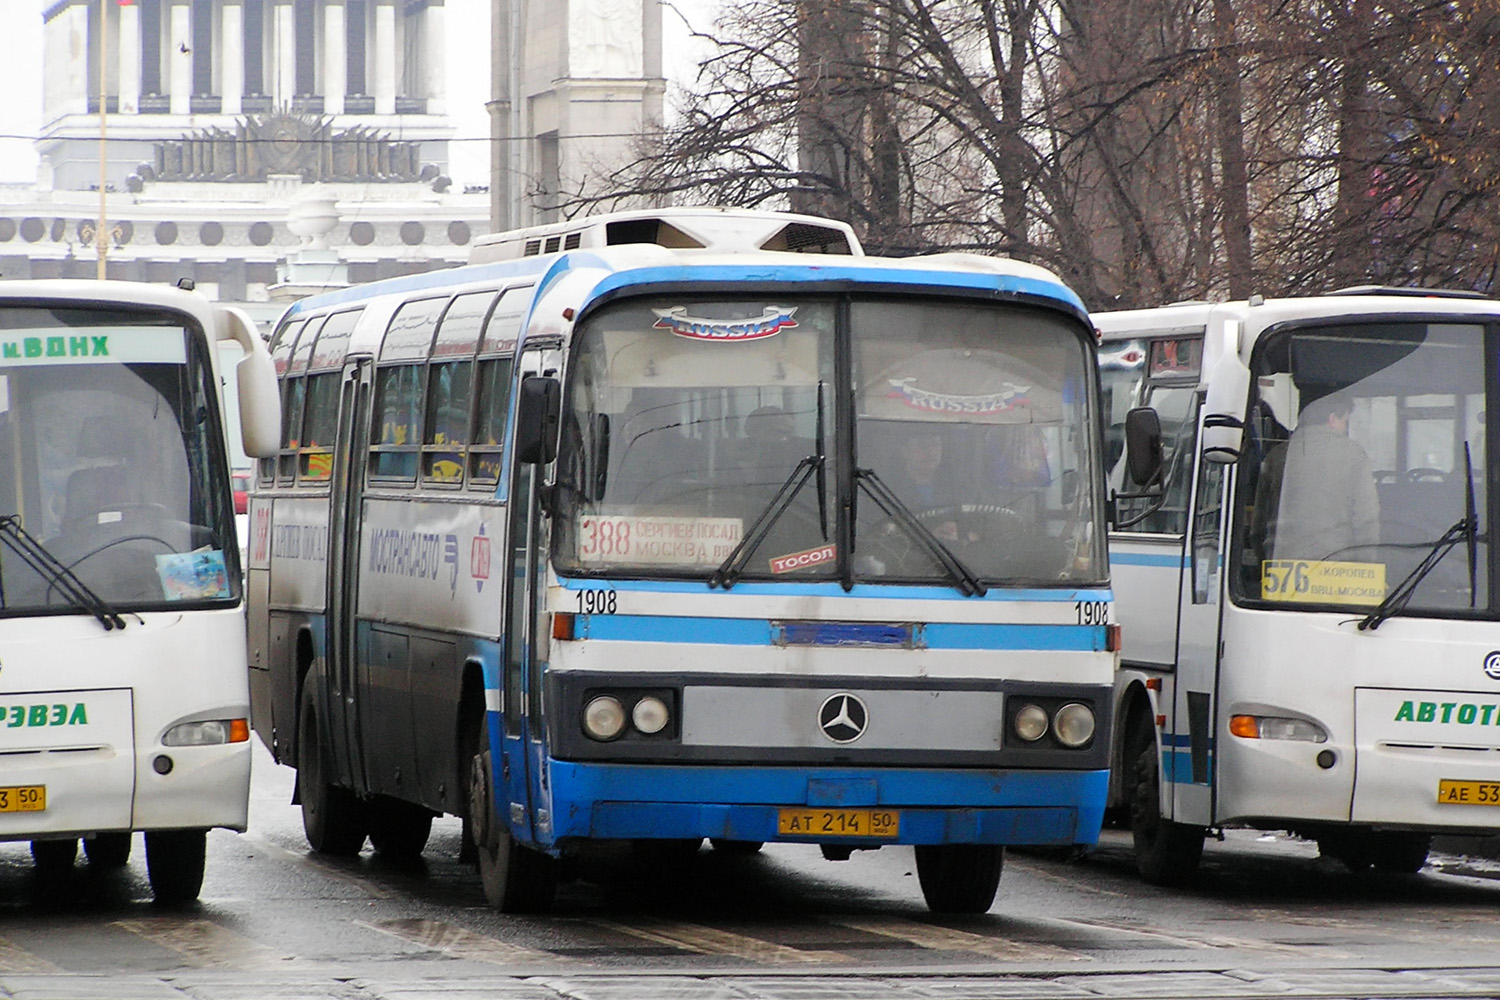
{"points": [[332, 818], [959, 878], [174, 864], [107, 850], [54, 856], [398, 829], [516, 879], [1166, 852], [1404, 853]]}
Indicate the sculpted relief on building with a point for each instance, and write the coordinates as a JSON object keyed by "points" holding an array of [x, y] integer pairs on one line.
{"points": [[302, 145], [604, 39]]}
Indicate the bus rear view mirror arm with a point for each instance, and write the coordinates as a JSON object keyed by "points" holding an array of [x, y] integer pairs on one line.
{"points": [[537, 413]]}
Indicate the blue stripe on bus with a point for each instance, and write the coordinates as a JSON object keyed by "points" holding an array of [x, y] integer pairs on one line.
{"points": [[970, 805], [832, 589], [761, 632], [1143, 559]]}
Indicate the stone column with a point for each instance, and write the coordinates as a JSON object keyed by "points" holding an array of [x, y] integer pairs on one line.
{"points": [[130, 59], [232, 48], [284, 55], [180, 58], [382, 73], [335, 58], [434, 25]]}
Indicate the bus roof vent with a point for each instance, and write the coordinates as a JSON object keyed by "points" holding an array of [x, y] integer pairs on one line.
{"points": [[723, 229], [657, 231], [800, 237]]}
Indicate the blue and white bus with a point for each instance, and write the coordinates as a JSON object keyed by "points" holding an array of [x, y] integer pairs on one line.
{"points": [[689, 525]]}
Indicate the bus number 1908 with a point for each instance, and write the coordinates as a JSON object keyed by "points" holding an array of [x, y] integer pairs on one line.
{"points": [[1092, 612], [597, 602]]}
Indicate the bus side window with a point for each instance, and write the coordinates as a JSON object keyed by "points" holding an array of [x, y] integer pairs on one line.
{"points": [[493, 400], [319, 425], [291, 428], [394, 429], [446, 435], [281, 356]]}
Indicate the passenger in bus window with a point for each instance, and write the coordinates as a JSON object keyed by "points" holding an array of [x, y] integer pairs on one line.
{"points": [[1328, 507]]}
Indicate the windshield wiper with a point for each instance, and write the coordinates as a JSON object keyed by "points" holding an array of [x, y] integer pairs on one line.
{"points": [[1465, 529], [58, 576], [963, 578], [733, 566]]}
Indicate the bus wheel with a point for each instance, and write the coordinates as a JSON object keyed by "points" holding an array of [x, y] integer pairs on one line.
{"points": [[1400, 852], [516, 879], [174, 864], [332, 817], [107, 850], [53, 856], [1166, 852], [398, 829], [959, 878], [724, 846]]}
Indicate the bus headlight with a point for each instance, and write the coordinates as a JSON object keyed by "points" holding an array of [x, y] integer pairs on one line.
{"points": [[1074, 724], [604, 718], [1031, 723], [210, 732], [650, 715], [1273, 727]]}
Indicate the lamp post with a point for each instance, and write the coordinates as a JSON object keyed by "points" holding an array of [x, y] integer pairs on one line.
{"points": [[101, 230]]}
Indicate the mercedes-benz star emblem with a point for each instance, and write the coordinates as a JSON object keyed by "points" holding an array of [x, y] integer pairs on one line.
{"points": [[843, 718]]}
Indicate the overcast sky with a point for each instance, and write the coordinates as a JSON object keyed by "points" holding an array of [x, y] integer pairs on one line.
{"points": [[468, 79]]}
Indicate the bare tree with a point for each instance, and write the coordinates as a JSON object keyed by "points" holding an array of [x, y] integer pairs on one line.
{"points": [[1147, 150]]}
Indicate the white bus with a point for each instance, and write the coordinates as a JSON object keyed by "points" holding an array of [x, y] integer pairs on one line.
{"points": [[652, 529], [123, 682], [1311, 640]]}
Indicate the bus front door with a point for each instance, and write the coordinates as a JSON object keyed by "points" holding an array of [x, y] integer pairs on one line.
{"points": [[343, 575], [522, 778], [1189, 737]]}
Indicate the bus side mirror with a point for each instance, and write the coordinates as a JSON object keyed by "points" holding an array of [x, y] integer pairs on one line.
{"points": [[1143, 451], [260, 405], [255, 378], [1224, 410], [538, 411]]}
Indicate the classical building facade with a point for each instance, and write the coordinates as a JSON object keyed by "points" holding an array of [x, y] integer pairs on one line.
{"points": [[262, 148], [576, 84]]}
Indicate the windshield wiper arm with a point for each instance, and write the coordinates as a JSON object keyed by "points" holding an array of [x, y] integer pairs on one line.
{"points": [[1471, 514], [734, 564], [1401, 595], [963, 578], [58, 576]]}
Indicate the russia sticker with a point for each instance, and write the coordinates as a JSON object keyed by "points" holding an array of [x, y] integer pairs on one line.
{"points": [[769, 323]]}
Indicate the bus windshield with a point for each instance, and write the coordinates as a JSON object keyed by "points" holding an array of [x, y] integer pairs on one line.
{"points": [[686, 419], [110, 447], [1367, 448]]}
